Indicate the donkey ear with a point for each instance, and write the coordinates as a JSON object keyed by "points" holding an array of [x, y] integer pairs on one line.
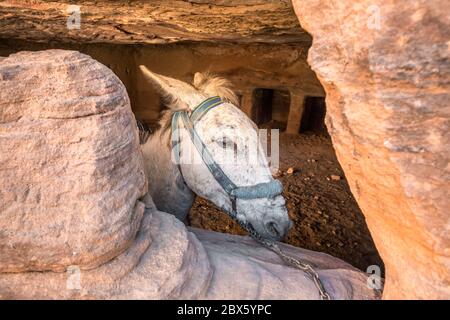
{"points": [[177, 92], [199, 78], [155, 79]]}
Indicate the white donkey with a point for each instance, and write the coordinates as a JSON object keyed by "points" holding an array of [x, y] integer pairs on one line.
{"points": [[205, 126]]}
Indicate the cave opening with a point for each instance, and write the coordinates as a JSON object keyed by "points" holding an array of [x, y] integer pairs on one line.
{"points": [[313, 117], [270, 107]]}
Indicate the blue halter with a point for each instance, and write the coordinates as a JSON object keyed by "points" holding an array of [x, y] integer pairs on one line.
{"points": [[262, 190]]}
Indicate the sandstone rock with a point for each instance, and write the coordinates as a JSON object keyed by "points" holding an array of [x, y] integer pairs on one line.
{"points": [[276, 173], [163, 261], [71, 171], [152, 22], [166, 261], [221, 36], [385, 66]]}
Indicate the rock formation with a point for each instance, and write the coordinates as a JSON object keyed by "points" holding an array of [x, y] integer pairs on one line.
{"points": [[151, 22], [72, 189], [253, 43], [71, 170], [385, 66]]}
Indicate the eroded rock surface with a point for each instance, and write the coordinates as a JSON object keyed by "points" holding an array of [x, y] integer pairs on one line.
{"points": [[385, 66], [262, 274], [72, 181], [152, 22], [166, 261], [70, 168]]}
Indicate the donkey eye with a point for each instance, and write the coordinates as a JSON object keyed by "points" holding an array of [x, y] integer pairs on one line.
{"points": [[226, 142]]}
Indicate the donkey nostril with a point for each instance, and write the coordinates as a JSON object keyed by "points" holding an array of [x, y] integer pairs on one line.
{"points": [[272, 228]]}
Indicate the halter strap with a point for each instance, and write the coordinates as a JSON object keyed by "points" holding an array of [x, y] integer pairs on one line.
{"points": [[207, 158], [269, 189], [199, 111], [204, 107]]}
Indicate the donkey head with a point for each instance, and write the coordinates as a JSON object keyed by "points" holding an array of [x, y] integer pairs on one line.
{"points": [[232, 140]]}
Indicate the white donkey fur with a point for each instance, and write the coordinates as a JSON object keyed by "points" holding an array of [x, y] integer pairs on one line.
{"points": [[223, 127]]}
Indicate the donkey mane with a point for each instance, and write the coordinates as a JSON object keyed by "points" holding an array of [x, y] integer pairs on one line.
{"points": [[212, 85], [207, 84]]}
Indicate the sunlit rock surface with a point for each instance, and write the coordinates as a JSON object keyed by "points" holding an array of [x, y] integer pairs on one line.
{"points": [[385, 66], [71, 170], [151, 22]]}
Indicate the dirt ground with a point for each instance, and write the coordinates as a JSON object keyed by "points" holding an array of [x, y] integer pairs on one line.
{"points": [[326, 217]]}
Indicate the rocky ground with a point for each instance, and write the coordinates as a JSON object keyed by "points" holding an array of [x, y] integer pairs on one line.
{"points": [[326, 217]]}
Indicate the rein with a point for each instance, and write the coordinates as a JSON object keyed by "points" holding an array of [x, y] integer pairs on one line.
{"points": [[262, 190]]}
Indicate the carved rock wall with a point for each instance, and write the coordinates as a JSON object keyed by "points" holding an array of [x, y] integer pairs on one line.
{"points": [[248, 66], [254, 43], [151, 22]]}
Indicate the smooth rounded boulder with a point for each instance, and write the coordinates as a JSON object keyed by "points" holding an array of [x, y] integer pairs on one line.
{"points": [[71, 172]]}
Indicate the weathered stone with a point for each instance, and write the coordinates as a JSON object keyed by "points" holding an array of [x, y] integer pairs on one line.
{"points": [[166, 261], [71, 172], [152, 22], [281, 66], [233, 38], [385, 66], [335, 177], [163, 261]]}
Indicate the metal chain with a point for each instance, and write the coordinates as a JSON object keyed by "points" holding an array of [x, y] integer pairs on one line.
{"points": [[305, 267]]}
